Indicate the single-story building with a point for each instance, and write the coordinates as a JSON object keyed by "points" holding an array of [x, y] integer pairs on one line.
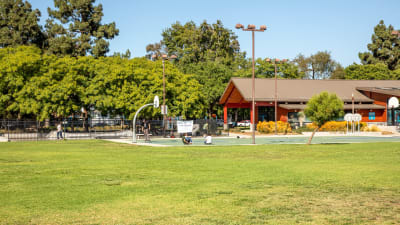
{"points": [[370, 97]]}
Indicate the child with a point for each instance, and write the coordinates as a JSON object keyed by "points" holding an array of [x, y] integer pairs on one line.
{"points": [[187, 140], [208, 140]]}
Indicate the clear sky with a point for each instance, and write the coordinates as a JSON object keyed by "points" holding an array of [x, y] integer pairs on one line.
{"points": [[342, 27]]}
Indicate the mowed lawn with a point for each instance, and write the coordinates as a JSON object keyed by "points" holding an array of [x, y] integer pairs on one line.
{"points": [[99, 182]]}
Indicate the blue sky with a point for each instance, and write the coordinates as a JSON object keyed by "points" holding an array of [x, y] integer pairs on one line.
{"points": [[343, 27]]}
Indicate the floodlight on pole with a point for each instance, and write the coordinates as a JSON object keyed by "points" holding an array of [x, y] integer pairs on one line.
{"points": [[164, 107], [275, 61], [396, 32], [252, 28]]}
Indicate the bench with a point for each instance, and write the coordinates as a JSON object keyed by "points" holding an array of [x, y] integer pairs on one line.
{"points": [[141, 135]]}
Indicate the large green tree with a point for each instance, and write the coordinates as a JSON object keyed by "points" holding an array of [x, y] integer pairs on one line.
{"points": [[74, 28], [284, 69], [384, 48], [110, 90], [41, 86], [317, 66], [322, 108], [19, 24], [377, 71], [59, 90], [18, 65], [338, 72], [213, 77], [206, 42], [183, 92], [210, 51]]}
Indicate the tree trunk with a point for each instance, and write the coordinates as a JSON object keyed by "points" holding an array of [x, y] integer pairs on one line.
{"points": [[312, 135], [72, 122], [210, 110]]}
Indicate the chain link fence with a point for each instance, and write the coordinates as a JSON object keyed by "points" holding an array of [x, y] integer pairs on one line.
{"points": [[23, 130]]}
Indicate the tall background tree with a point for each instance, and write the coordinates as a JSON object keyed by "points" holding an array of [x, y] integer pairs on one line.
{"points": [[317, 66], [338, 72], [209, 51], [384, 48], [19, 24], [206, 42], [74, 28]]}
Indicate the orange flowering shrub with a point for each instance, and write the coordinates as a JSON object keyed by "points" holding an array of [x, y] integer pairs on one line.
{"points": [[372, 128], [269, 127], [335, 126]]}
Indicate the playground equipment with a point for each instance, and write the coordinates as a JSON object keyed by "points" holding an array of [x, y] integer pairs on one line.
{"points": [[155, 104]]}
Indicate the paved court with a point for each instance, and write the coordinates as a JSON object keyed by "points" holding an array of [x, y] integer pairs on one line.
{"points": [[263, 140]]}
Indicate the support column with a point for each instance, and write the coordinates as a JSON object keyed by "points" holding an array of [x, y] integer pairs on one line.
{"points": [[225, 117], [256, 115], [251, 119]]}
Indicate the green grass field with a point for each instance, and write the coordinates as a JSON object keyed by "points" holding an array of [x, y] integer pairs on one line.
{"points": [[98, 182]]}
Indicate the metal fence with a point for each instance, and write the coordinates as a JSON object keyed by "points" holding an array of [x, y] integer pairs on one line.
{"points": [[15, 130]]}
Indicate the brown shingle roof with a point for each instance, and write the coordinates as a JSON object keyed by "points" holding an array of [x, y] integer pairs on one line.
{"points": [[302, 90], [395, 91]]}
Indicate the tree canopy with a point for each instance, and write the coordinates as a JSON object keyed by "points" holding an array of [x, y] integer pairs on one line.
{"points": [[377, 71], [206, 42], [384, 48], [317, 66], [18, 66], [19, 24], [41, 86], [74, 28]]}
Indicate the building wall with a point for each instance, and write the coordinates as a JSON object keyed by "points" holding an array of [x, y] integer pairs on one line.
{"points": [[380, 115], [379, 99]]}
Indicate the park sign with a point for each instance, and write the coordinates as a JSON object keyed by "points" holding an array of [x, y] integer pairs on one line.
{"points": [[164, 109], [184, 126]]}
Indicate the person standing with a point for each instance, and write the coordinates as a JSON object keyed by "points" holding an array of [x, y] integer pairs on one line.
{"points": [[59, 131], [146, 130]]}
